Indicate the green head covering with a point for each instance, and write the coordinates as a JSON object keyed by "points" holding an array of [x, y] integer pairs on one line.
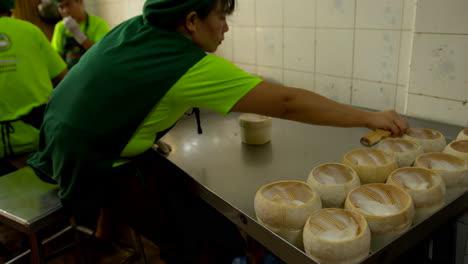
{"points": [[6, 5], [167, 13]]}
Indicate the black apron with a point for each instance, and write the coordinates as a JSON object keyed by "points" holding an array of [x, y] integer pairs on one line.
{"points": [[72, 49]]}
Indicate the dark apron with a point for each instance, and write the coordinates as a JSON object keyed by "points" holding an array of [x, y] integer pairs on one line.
{"points": [[72, 49]]}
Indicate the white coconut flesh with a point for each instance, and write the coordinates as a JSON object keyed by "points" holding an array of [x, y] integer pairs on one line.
{"points": [[398, 145], [376, 201], [463, 135], [334, 225], [291, 194], [414, 179], [333, 174], [404, 150], [369, 157], [441, 162]]}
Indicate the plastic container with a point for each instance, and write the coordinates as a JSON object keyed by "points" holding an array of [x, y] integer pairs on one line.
{"points": [[255, 129]]}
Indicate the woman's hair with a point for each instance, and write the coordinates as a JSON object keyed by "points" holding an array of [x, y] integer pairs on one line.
{"points": [[227, 6], [169, 14]]}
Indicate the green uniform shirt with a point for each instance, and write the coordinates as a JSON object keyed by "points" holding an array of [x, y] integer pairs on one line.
{"points": [[97, 28], [27, 64], [213, 83]]}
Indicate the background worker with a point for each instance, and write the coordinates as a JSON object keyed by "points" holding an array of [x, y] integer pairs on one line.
{"points": [[138, 81], [29, 70], [77, 32]]}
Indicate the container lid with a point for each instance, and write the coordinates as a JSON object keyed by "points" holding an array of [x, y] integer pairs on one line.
{"points": [[254, 120]]}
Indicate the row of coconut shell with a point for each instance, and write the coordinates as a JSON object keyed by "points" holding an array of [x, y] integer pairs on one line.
{"points": [[292, 208]]}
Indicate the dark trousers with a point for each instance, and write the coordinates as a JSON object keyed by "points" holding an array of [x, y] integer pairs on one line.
{"points": [[155, 198]]}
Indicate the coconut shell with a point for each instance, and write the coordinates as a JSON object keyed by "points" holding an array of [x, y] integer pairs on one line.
{"points": [[388, 210], [426, 188], [463, 135], [333, 181], [458, 148], [336, 236], [454, 171], [429, 139], [371, 165], [404, 150], [284, 207]]}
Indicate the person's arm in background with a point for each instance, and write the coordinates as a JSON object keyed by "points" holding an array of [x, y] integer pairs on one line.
{"points": [[85, 41], [308, 107]]}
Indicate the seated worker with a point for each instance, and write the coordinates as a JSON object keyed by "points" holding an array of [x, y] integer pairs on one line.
{"points": [[77, 32], [29, 69], [139, 80]]}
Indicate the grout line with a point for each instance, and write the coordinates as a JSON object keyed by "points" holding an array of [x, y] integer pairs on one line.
{"points": [[255, 39], [436, 33], [283, 2], [353, 57], [399, 55], [339, 28], [314, 88], [439, 97]]}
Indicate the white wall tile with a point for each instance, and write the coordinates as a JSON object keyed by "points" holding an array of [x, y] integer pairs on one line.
{"points": [[337, 89], [269, 12], [90, 6], [439, 66], [376, 55], [373, 95], [133, 8], [299, 13], [401, 99], [335, 51], [335, 13], [249, 68], [244, 44], [111, 12], [304, 80], [225, 50], [441, 110], [385, 14], [270, 74], [270, 47], [245, 13], [409, 14], [299, 49], [406, 46], [449, 16]]}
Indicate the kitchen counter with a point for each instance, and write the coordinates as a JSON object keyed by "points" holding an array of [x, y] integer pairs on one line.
{"points": [[228, 173]]}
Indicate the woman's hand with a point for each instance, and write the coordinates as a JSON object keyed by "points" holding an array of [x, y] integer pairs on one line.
{"points": [[388, 120]]}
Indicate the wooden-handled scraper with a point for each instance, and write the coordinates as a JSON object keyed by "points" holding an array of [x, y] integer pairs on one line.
{"points": [[374, 137]]}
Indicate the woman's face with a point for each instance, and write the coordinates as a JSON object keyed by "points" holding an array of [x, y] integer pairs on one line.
{"points": [[210, 31]]}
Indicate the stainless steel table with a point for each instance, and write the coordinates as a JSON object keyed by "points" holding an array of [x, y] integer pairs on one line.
{"points": [[228, 173]]}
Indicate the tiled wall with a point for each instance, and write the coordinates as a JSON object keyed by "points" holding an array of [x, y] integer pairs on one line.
{"points": [[439, 65], [354, 51]]}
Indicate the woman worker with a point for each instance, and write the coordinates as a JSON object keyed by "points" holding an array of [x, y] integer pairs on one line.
{"points": [[139, 80]]}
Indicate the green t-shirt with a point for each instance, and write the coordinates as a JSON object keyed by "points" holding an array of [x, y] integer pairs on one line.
{"points": [[213, 83], [97, 28], [27, 64]]}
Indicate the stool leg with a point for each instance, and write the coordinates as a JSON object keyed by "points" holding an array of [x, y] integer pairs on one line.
{"points": [[37, 252], [77, 240]]}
